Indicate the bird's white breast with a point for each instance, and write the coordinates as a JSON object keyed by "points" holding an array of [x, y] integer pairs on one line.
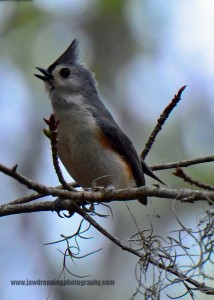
{"points": [[86, 160]]}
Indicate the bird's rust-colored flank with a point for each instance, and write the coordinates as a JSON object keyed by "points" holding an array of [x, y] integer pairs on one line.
{"points": [[104, 142]]}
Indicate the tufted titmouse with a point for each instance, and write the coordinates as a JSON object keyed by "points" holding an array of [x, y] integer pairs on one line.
{"points": [[92, 147]]}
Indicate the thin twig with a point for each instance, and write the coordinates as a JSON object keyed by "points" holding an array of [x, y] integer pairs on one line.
{"points": [[53, 124], [180, 173], [162, 119], [183, 163], [35, 196], [33, 185]]}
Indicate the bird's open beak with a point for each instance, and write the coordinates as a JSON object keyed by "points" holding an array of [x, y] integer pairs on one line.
{"points": [[47, 75]]}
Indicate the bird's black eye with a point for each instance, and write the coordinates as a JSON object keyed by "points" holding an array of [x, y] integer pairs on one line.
{"points": [[65, 72]]}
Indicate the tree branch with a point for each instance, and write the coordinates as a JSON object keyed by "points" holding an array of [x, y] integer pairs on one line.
{"points": [[104, 196], [43, 191]]}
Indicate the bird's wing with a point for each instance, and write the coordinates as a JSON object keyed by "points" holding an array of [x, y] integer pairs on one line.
{"points": [[122, 144]]}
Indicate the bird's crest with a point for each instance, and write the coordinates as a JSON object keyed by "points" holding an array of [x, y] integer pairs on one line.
{"points": [[70, 56]]}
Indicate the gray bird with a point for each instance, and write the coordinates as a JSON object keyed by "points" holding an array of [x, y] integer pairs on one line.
{"points": [[92, 147]]}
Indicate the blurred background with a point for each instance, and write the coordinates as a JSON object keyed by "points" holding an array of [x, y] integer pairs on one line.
{"points": [[142, 52]]}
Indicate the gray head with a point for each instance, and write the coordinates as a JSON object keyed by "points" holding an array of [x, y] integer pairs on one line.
{"points": [[67, 77]]}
